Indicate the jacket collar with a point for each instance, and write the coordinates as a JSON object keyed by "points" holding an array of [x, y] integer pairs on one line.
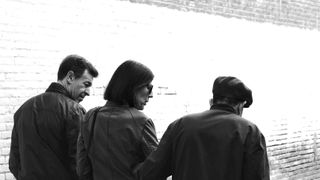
{"points": [[113, 104], [58, 88], [223, 107]]}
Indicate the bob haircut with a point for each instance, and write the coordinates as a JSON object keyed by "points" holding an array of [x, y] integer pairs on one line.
{"points": [[78, 65], [127, 78]]}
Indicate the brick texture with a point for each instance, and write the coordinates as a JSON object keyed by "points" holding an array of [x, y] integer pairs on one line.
{"points": [[186, 44], [295, 13]]}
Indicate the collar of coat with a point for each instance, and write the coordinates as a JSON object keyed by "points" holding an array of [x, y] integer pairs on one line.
{"points": [[58, 88], [113, 104], [224, 107]]}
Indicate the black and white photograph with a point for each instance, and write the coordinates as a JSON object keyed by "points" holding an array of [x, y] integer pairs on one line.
{"points": [[159, 90]]}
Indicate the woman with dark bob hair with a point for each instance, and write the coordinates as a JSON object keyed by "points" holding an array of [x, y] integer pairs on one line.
{"points": [[116, 137]]}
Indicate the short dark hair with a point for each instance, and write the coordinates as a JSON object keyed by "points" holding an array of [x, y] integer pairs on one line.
{"points": [[77, 64], [129, 76]]}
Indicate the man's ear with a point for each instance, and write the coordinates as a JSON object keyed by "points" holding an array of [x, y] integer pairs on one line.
{"points": [[239, 108], [70, 77]]}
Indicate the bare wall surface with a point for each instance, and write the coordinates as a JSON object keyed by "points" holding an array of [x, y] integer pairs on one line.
{"points": [[186, 50]]}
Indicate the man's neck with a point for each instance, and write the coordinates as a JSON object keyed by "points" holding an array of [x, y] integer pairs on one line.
{"points": [[63, 83]]}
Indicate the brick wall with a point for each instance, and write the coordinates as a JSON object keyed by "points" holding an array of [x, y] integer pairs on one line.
{"points": [[186, 50], [295, 13], [294, 149]]}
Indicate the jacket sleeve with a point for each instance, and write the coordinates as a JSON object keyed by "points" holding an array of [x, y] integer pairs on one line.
{"points": [[158, 165], [72, 133], [84, 170], [14, 158], [256, 164], [149, 138]]}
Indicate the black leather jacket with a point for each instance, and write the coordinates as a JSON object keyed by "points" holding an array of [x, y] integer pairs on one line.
{"points": [[215, 144], [122, 138], [44, 136]]}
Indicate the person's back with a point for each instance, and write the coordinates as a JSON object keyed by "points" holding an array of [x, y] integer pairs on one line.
{"points": [[216, 144], [40, 124], [111, 145], [213, 145], [117, 142], [46, 127]]}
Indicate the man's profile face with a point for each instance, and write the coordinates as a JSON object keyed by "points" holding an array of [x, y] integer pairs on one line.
{"points": [[80, 88]]}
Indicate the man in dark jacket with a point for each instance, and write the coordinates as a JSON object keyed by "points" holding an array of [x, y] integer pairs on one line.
{"points": [[216, 144], [46, 127]]}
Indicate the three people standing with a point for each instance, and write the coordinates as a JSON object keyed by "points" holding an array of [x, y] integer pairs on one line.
{"points": [[117, 141]]}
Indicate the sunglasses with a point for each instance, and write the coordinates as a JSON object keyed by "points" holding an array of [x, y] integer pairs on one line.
{"points": [[149, 87]]}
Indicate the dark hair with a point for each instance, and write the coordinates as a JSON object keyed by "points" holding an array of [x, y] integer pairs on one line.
{"points": [[78, 65], [129, 76]]}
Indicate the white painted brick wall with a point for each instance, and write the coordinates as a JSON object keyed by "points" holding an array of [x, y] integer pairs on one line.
{"points": [[300, 13], [186, 51]]}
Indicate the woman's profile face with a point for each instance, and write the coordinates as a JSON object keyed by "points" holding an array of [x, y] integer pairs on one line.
{"points": [[142, 96]]}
